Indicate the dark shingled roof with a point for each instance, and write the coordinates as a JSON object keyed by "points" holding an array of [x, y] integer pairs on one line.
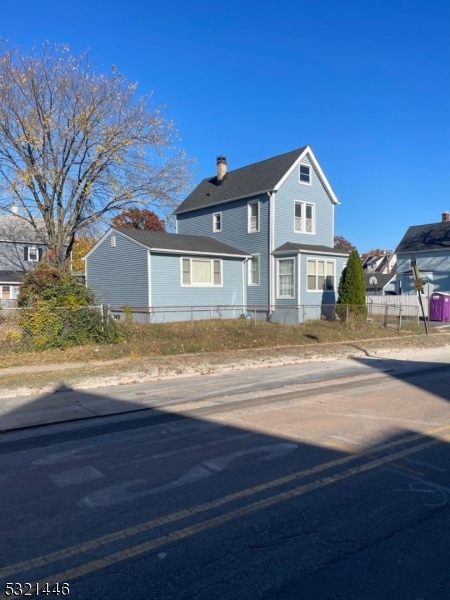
{"points": [[434, 236], [159, 240], [310, 248], [382, 280], [10, 277], [247, 181]]}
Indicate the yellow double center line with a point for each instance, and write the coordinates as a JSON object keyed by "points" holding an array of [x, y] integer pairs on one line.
{"points": [[188, 531]]}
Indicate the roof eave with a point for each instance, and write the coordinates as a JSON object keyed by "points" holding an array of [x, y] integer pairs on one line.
{"points": [[176, 212]]}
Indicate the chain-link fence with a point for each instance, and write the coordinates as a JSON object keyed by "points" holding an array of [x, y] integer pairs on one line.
{"points": [[28, 329], [388, 315]]}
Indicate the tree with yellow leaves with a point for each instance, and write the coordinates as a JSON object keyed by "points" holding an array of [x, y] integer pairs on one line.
{"points": [[77, 146], [81, 247]]}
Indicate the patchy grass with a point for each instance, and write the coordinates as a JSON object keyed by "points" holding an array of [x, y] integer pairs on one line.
{"points": [[216, 335]]}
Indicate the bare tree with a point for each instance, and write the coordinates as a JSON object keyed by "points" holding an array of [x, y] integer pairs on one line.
{"points": [[76, 145]]}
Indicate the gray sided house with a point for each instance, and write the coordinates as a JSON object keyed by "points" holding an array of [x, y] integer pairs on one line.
{"points": [[429, 246], [162, 272], [281, 212], [21, 248]]}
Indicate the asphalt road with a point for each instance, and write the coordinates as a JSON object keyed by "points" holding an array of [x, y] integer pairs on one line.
{"points": [[338, 489]]}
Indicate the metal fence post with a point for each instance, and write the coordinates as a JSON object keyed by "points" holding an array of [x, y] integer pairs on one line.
{"points": [[400, 318]]}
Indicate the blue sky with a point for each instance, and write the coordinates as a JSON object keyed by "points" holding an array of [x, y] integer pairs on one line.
{"points": [[365, 83]]}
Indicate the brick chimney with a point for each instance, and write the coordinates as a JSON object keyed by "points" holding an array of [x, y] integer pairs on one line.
{"points": [[446, 217], [221, 169]]}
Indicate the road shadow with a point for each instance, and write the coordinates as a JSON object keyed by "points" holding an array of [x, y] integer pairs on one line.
{"points": [[208, 503], [425, 375]]}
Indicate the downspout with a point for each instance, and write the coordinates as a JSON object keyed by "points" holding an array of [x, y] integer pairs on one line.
{"points": [[244, 286], [149, 275], [271, 249]]}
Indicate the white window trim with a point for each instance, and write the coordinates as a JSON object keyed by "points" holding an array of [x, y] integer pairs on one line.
{"points": [[201, 285], [278, 279], [215, 230], [113, 241], [310, 174], [316, 291], [35, 250], [250, 270], [304, 204], [249, 230]]}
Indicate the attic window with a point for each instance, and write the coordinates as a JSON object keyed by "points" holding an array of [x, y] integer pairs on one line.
{"points": [[305, 174], [113, 241]]}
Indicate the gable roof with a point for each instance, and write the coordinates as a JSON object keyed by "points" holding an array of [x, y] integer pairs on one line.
{"points": [[382, 280], [16, 229], [434, 236], [176, 243], [314, 248], [264, 176]]}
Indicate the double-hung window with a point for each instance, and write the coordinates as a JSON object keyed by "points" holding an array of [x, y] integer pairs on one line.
{"points": [[305, 174], [217, 222], [321, 275], [285, 278], [253, 217], [201, 272], [32, 253], [253, 270], [304, 221]]}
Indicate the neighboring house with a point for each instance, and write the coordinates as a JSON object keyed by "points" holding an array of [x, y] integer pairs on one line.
{"points": [[20, 250], [152, 269], [380, 284], [429, 246], [9, 288], [281, 212], [385, 263]]}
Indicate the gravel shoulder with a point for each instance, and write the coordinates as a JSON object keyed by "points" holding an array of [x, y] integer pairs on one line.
{"points": [[21, 381]]}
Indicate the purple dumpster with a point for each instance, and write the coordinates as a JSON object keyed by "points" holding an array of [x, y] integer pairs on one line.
{"points": [[440, 307]]}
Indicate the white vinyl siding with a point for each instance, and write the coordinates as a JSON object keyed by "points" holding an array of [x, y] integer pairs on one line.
{"points": [[285, 278], [253, 217], [217, 222], [201, 272], [304, 221], [321, 275], [253, 266]]}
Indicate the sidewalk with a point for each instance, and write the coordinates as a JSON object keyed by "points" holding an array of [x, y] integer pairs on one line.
{"points": [[189, 392]]}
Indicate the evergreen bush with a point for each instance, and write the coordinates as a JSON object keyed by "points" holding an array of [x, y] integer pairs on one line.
{"points": [[352, 289]]}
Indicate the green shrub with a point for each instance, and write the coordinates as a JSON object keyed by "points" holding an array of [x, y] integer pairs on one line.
{"points": [[58, 312], [352, 289]]}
